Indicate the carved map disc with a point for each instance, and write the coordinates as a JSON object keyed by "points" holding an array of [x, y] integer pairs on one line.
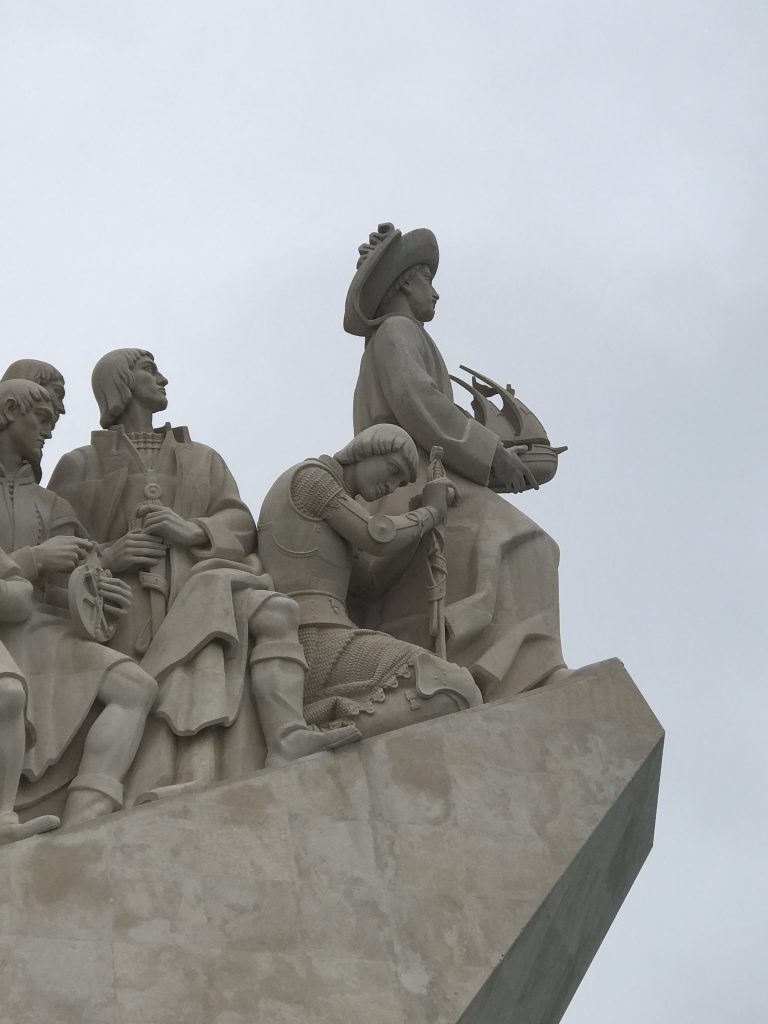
{"points": [[86, 607]]}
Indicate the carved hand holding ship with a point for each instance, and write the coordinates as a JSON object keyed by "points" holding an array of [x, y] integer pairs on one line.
{"points": [[518, 429]]}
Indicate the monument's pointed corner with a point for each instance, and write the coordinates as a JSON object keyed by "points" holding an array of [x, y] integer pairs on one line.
{"points": [[464, 869]]}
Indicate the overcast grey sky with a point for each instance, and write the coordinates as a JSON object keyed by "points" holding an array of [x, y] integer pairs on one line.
{"points": [[195, 178]]}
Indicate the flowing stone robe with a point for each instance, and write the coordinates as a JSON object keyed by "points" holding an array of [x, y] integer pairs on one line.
{"points": [[10, 573], [502, 609], [63, 671], [199, 653]]}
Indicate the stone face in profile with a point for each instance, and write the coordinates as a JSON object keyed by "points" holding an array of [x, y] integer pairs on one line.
{"points": [[502, 609], [40, 372], [169, 517], [312, 535], [69, 679]]}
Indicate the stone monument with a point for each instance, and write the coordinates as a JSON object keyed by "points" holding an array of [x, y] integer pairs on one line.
{"points": [[359, 780], [312, 534], [169, 518], [502, 610]]}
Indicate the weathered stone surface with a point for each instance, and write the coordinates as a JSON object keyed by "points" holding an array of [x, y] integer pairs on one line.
{"points": [[465, 869], [501, 605]]}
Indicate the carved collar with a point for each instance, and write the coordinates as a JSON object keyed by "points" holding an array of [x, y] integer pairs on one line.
{"points": [[115, 440], [23, 475]]}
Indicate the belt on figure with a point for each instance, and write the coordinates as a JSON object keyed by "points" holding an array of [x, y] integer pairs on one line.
{"points": [[321, 608]]}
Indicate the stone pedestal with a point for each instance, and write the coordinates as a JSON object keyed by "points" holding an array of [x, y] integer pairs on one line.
{"points": [[465, 869]]}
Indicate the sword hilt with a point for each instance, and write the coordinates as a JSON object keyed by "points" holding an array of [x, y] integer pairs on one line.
{"points": [[436, 470]]}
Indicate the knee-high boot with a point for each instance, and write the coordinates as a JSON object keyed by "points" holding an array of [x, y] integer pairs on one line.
{"points": [[277, 670]]}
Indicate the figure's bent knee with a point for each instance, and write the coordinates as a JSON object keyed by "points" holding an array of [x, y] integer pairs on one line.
{"points": [[554, 547], [13, 697], [130, 687], [547, 544], [276, 619], [144, 687]]}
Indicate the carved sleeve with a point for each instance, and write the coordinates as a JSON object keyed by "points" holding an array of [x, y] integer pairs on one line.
{"points": [[15, 592], [55, 518], [379, 534], [421, 406], [314, 490], [228, 524], [317, 494], [70, 481]]}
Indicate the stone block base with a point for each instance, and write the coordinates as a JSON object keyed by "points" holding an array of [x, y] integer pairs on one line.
{"points": [[464, 869]]}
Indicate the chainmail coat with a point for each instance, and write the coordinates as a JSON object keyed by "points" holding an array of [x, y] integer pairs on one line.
{"points": [[350, 669]]}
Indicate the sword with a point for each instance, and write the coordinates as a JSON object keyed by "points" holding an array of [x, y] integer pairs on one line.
{"points": [[437, 566], [155, 580]]}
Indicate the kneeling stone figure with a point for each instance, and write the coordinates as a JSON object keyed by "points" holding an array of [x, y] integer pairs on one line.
{"points": [[313, 535]]}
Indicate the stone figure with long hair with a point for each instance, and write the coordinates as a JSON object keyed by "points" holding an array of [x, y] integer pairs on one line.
{"points": [[205, 620], [87, 704], [47, 376]]}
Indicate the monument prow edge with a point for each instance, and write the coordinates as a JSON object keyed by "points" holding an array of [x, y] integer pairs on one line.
{"points": [[462, 869]]}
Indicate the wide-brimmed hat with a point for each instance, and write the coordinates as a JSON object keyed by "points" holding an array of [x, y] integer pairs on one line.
{"points": [[386, 255]]}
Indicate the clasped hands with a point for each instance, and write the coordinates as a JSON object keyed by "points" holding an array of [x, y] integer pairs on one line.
{"points": [[437, 496], [140, 549]]}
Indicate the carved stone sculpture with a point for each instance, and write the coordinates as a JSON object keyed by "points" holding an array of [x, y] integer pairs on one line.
{"points": [[169, 517], [78, 690], [16, 731], [42, 373], [502, 611], [469, 867], [515, 425], [47, 376], [312, 535]]}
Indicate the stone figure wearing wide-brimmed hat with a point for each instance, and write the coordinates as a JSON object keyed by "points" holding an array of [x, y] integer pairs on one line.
{"points": [[502, 612]]}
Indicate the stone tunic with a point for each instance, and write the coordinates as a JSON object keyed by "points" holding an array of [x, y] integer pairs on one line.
{"points": [[502, 609], [64, 671], [199, 653], [11, 574]]}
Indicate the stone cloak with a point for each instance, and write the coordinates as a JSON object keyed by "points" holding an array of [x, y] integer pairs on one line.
{"points": [[502, 609], [63, 671]]}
